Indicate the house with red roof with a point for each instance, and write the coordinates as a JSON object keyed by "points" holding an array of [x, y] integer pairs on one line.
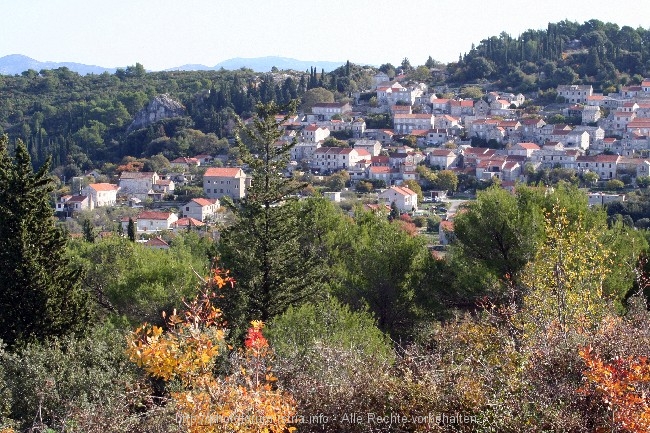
{"points": [[201, 209], [384, 173], [221, 182], [442, 158], [337, 158], [101, 194], [404, 198], [373, 147], [523, 149], [68, 205], [186, 223], [645, 86], [474, 155], [151, 221], [640, 125], [603, 165], [314, 133], [184, 163], [156, 243]]}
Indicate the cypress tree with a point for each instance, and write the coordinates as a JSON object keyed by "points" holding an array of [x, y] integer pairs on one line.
{"points": [[130, 230], [267, 250], [40, 292]]}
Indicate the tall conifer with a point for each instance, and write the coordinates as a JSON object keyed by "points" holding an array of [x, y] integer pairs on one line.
{"points": [[267, 248], [40, 293]]}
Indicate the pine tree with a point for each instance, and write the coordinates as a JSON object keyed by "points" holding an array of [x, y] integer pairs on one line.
{"points": [[272, 259], [40, 292]]}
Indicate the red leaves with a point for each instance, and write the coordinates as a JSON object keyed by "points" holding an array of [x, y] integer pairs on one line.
{"points": [[622, 383], [254, 338]]}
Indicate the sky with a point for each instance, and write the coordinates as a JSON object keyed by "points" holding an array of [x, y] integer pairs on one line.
{"points": [[162, 34]]}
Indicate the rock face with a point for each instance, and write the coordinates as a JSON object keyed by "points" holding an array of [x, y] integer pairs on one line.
{"points": [[161, 107]]}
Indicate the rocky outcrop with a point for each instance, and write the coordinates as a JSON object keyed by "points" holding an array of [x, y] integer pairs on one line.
{"points": [[161, 107]]}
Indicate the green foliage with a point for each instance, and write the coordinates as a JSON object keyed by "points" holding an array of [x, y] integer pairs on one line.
{"points": [[499, 231], [471, 92], [298, 333], [40, 292], [615, 185], [379, 265], [132, 280], [315, 96], [268, 247], [74, 384]]}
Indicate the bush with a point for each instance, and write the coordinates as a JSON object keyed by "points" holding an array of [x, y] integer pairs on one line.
{"points": [[80, 384], [332, 360]]}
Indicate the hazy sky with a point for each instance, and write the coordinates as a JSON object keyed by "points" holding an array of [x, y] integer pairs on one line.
{"points": [[167, 33]]}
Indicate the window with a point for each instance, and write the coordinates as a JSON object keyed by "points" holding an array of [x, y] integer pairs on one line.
{"points": [[187, 208]]}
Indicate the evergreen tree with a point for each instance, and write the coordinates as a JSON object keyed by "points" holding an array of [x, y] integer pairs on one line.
{"points": [[394, 212], [130, 230], [267, 248], [88, 230], [40, 293]]}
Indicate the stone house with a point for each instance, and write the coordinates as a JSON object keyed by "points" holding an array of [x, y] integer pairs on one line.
{"points": [[220, 182]]}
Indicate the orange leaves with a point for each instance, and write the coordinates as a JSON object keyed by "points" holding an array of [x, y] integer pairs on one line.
{"points": [[243, 402], [623, 385]]}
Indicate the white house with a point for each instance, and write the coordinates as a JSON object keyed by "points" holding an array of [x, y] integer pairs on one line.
{"points": [[575, 93], [201, 209], [405, 123], [443, 158], [151, 221], [523, 149], [337, 158], [69, 204], [315, 133], [326, 110], [405, 199], [373, 147], [101, 194], [224, 181]]}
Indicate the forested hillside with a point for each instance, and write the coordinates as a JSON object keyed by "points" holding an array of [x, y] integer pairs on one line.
{"points": [[83, 121], [602, 54]]}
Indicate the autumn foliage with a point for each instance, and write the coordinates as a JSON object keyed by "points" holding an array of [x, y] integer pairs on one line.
{"points": [[623, 384], [184, 356]]}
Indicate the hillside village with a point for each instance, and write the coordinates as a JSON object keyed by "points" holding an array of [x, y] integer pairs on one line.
{"points": [[491, 139], [460, 247]]}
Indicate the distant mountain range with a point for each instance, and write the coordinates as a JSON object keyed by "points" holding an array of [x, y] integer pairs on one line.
{"points": [[17, 63], [263, 64]]}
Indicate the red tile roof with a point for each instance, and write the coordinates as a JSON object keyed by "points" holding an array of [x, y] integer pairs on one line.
{"points": [[188, 221], [223, 171], [203, 201], [154, 215], [103, 186]]}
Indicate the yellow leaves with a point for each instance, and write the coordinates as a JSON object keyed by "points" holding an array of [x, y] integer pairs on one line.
{"points": [[564, 281], [243, 402]]}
